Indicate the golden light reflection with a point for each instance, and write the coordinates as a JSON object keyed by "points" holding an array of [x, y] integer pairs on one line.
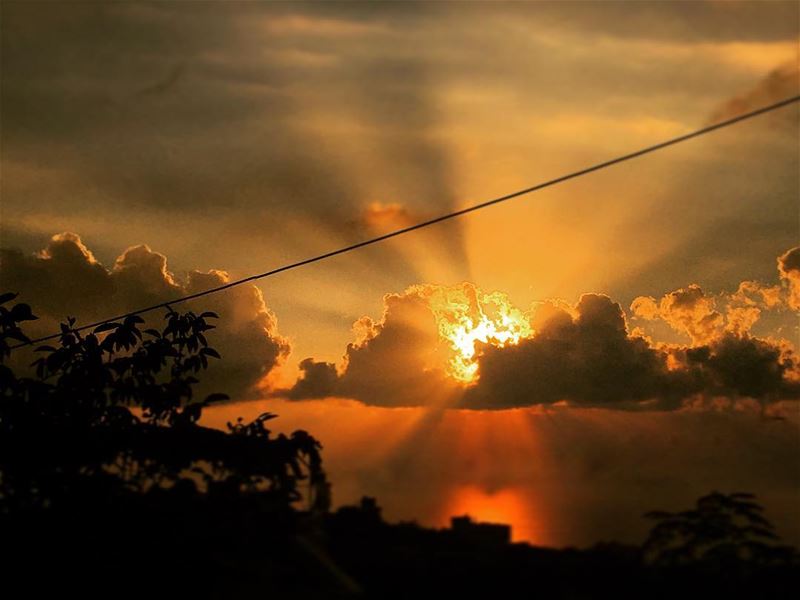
{"points": [[465, 315]]}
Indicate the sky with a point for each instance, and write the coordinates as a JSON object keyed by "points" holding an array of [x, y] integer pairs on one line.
{"points": [[565, 361]]}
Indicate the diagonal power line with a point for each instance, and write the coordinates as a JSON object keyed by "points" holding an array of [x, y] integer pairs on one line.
{"points": [[441, 218]]}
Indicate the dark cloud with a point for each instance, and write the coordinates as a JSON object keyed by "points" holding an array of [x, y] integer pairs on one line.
{"points": [[393, 364], [588, 359], [65, 279], [61, 277], [743, 366], [316, 380], [591, 359]]}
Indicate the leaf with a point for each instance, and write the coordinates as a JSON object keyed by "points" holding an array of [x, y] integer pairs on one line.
{"points": [[7, 296], [22, 312], [210, 352], [193, 412], [106, 327], [217, 398], [205, 315]]}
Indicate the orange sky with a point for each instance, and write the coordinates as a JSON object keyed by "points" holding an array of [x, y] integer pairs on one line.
{"points": [[559, 477]]}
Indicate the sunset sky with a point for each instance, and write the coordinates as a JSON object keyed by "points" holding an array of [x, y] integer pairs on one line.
{"points": [[564, 361]]}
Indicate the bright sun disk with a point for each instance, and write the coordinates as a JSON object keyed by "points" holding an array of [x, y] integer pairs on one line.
{"points": [[465, 315]]}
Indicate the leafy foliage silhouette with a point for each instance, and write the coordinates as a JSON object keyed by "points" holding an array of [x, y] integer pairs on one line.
{"points": [[112, 413], [721, 530]]}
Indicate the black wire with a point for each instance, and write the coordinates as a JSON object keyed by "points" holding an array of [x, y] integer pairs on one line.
{"points": [[438, 219]]}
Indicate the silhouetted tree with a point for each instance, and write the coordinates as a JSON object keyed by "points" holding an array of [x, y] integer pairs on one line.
{"points": [[721, 529], [113, 413]]}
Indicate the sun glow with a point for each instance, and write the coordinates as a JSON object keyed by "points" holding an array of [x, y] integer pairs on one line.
{"points": [[506, 506], [465, 315]]}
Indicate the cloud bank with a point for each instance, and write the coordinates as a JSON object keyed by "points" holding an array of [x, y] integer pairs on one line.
{"points": [[65, 279], [455, 346], [582, 355]]}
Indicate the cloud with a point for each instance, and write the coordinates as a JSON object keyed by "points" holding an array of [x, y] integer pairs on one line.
{"points": [[382, 218], [582, 355], [586, 359], [789, 269], [65, 279], [592, 360], [141, 277], [704, 318], [316, 380], [781, 83], [211, 110], [247, 335], [688, 310], [65, 265], [743, 366], [395, 362]]}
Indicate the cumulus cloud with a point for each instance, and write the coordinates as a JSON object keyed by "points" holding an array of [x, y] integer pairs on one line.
{"points": [[316, 380], [751, 293], [394, 362], [585, 359], [743, 366], [141, 276], [705, 317], [65, 279], [590, 359], [581, 355], [687, 310]]}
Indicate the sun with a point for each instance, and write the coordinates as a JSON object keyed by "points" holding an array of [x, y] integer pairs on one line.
{"points": [[505, 506], [465, 315]]}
